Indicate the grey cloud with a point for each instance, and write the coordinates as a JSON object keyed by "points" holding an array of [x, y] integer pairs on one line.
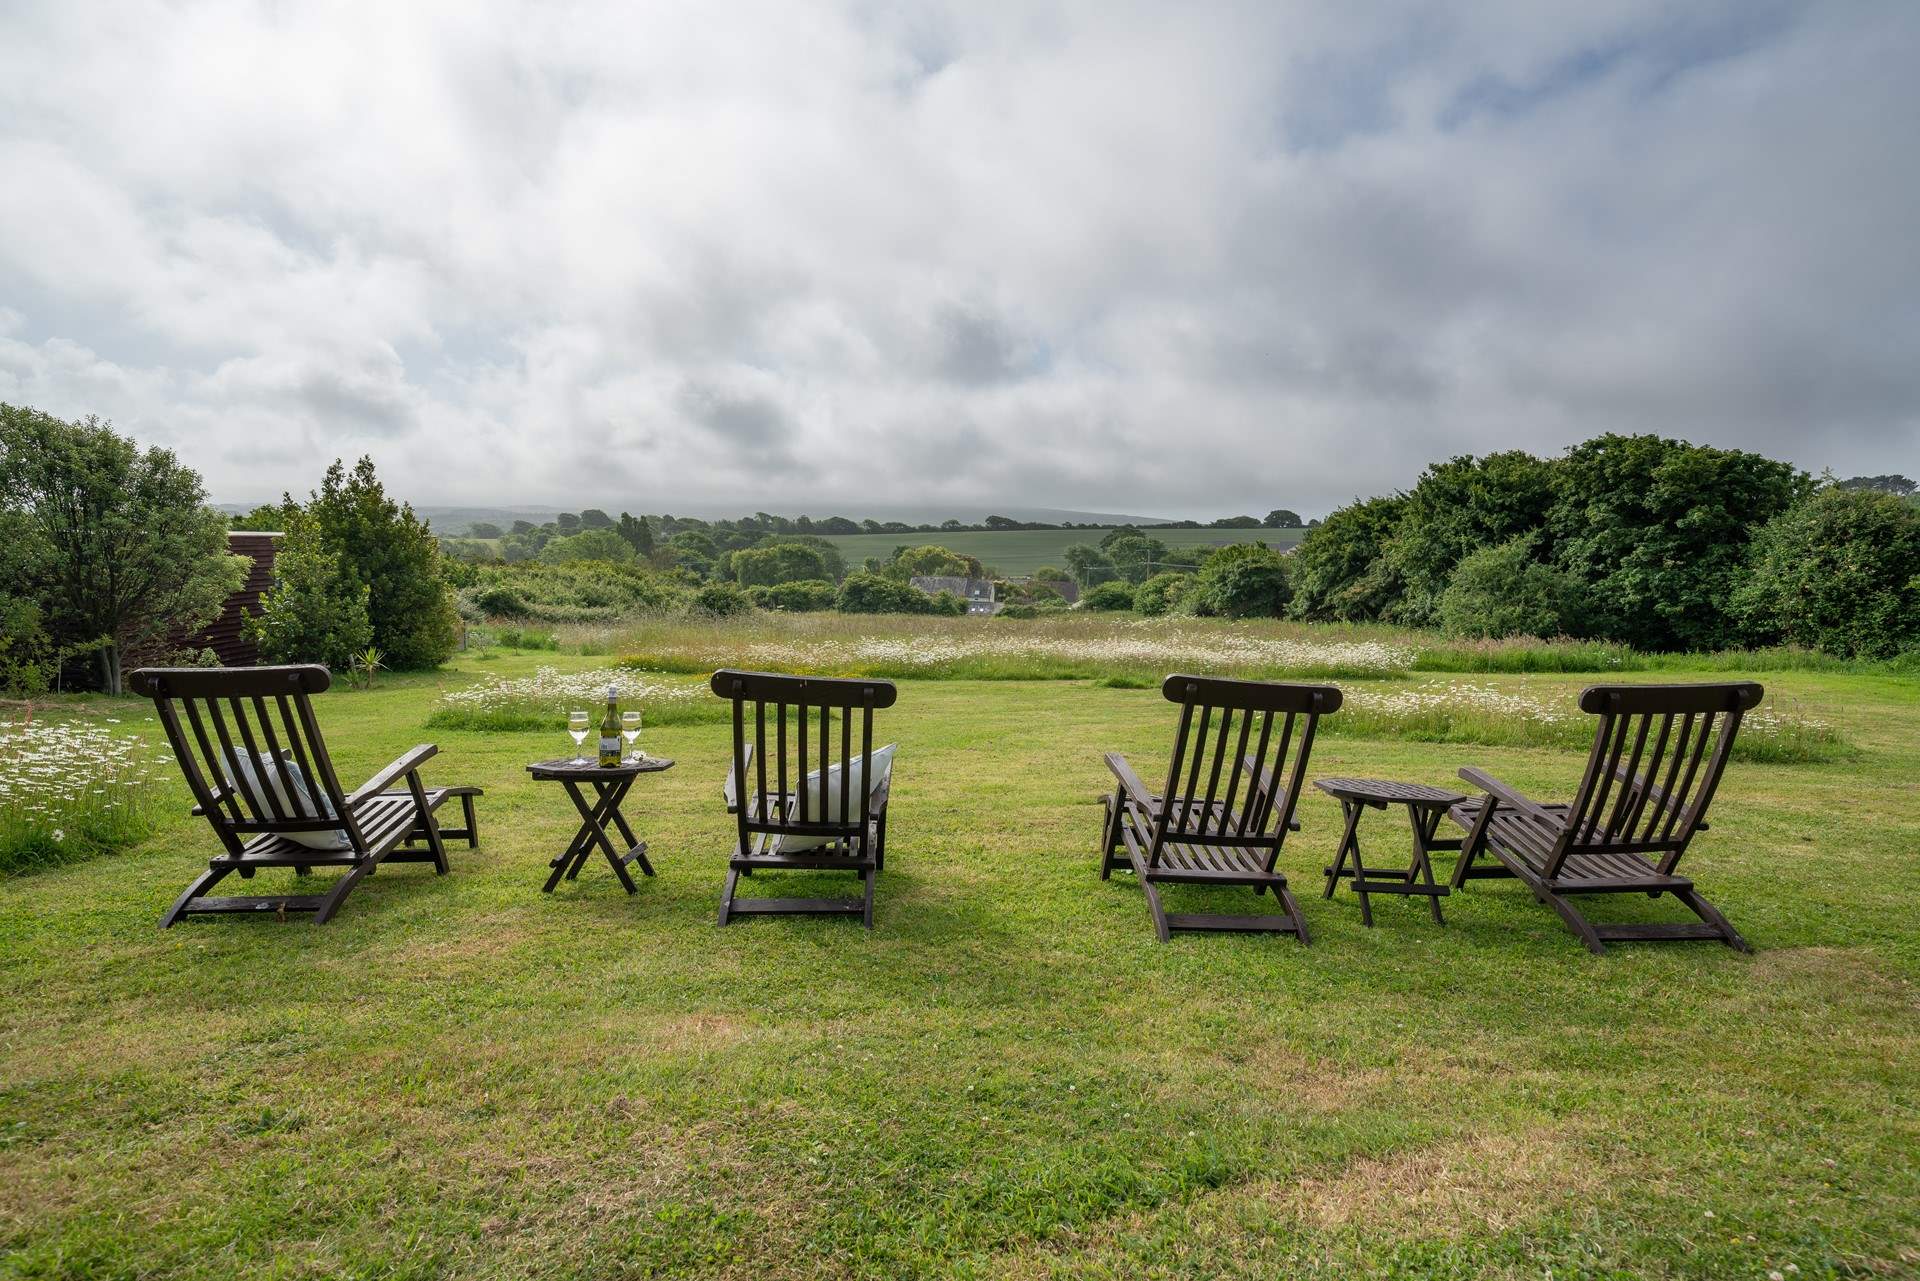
{"points": [[998, 254]]}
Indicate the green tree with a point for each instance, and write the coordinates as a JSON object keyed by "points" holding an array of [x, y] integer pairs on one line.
{"points": [[588, 544], [1338, 571], [484, 529], [795, 598], [1839, 571], [1234, 522], [316, 610], [1135, 557], [772, 563], [268, 517], [1088, 564], [112, 543], [594, 518], [391, 552], [932, 561], [1898, 486], [722, 600], [1656, 532], [638, 533], [566, 523], [1506, 590], [1246, 580], [694, 551], [1281, 518]]}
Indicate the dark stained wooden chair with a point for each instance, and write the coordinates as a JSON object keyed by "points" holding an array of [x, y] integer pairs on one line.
{"points": [[784, 730], [250, 747], [1246, 743], [1658, 754]]}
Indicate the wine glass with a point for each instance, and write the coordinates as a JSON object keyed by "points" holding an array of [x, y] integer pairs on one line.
{"points": [[577, 723], [630, 730]]}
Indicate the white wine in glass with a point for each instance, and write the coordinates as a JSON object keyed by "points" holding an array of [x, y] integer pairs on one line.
{"points": [[577, 725], [630, 730]]}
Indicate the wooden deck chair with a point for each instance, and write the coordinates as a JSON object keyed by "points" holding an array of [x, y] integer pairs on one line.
{"points": [[251, 750], [1231, 833], [1658, 753], [824, 808]]}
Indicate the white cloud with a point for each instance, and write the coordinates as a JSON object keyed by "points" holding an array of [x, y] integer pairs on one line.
{"points": [[1181, 259]]}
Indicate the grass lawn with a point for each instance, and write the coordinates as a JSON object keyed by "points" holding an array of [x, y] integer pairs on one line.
{"points": [[1008, 1077], [1021, 551]]}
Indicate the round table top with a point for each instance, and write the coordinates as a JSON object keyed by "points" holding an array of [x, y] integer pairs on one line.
{"points": [[1383, 791], [563, 767]]}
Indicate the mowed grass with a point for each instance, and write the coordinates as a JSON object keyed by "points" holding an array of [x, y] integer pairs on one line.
{"points": [[1008, 1077], [1021, 551]]}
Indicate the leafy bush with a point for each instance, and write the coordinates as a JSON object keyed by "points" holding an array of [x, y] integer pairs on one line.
{"points": [[721, 600], [588, 544], [497, 600], [390, 551], [1246, 580], [316, 611], [1339, 572], [1506, 591], [1839, 571], [1108, 596], [1161, 593], [805, 597], [869, 593], [786, 561], [1018, 612], [948, 604]]}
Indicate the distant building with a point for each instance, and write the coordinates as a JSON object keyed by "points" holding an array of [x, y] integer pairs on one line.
{"points": [[1068, 589], [977, 592], [226, 635]]}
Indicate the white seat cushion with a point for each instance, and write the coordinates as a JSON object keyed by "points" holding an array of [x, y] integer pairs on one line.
{"points": [[826, 809], [261, 775]]}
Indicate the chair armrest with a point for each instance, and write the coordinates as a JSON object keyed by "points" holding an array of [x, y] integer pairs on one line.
{"points": [[1506, 795], [220, 794], [1130, 783], [726, 784], [401, 767]]}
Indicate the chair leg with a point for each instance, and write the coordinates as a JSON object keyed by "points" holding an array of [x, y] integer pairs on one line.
{"points": [[866, 908], [1581, 927], [428, 824], [726, 894], [207, 880], [473, 824], [1471, 848], [880, 844], [1110, 835], [1159, 913], [1285, 895], [337, 895], [1711, 915]]}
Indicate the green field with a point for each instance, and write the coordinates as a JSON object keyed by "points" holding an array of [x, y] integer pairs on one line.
{"points": [[1018, 552], [1008, 1077]]}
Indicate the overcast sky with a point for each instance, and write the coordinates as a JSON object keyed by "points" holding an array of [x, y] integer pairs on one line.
{"points": [[1182, 259]]}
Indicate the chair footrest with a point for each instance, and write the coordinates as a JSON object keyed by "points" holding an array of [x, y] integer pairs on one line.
{"points": [[1677, 930], [814, 905], [1212, 921], [257, 903]]}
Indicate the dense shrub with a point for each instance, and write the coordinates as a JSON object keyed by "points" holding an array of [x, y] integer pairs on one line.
{"points": [[1458, 507], [869, 593], [946, 603], [1017, 612], [588, 544], [390, 551], [573, 591], [784, 562], [1114, 595], [721, 600], [1840, 572], [1506, 591], [795, 598], [317, 610], [497, 600], [1161, 594], [1339, 571], [1656, 532], [1246, 580]]}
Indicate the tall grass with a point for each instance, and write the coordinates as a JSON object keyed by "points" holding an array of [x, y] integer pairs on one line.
{"points": [[542, 701], [70, 791]]}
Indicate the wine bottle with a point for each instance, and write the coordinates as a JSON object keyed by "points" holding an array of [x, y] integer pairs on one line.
{"points": [[610, 731]]}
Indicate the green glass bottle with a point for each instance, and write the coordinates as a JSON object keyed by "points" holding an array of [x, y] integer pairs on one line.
{"points": [[610, 731]]}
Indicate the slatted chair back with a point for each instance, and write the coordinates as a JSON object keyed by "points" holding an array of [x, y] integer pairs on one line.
{"points": [[1239, 761], [217, 718], [786, 727], [1658, 754]]}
